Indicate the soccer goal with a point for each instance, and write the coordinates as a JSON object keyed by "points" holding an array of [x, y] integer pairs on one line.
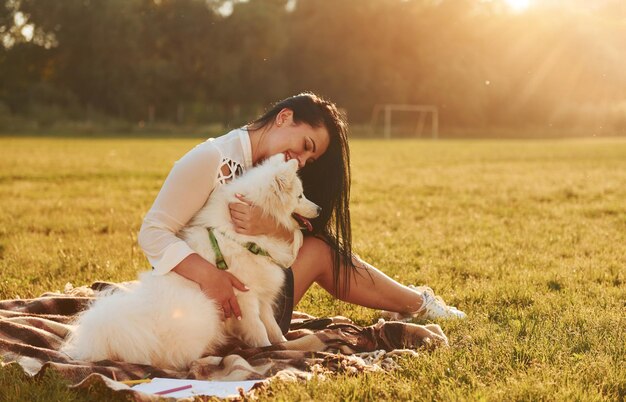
{"points": [[421, 112]]}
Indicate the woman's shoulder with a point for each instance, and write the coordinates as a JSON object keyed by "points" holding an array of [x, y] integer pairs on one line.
{"points": [[207, 150], [234, 146], [226, 155]]}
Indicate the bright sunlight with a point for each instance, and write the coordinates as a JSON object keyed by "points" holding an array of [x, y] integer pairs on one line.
{"points": [[518, 5]]}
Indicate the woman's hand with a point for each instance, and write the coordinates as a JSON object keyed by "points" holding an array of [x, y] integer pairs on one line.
{"points": [[249, 219], [215, 284], [220, 288]]}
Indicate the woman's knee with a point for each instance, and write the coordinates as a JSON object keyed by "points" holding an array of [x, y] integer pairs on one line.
{"points": [[315, 255], [313, 264], [314, 247]]}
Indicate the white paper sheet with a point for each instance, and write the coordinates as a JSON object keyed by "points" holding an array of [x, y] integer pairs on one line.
{"points": [[222, 389]]}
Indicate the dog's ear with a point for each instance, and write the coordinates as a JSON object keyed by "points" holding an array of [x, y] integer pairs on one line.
{"points": [[281, 183], [285, 176], [293, 164]]}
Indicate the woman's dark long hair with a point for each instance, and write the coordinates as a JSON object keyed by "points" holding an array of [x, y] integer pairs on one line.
{"points": [[327, 180]]}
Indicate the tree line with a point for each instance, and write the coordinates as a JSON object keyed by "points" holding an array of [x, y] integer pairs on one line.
{"points": [[191, 62]]}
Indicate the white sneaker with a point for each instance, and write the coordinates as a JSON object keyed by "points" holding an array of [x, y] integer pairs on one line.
{"points": [[433, 307]]}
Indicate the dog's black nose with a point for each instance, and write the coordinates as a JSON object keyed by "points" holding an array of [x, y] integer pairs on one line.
{"points": [[319, 210]]}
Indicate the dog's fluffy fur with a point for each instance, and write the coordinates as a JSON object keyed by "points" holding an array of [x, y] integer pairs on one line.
{"points": [[167, 321]]}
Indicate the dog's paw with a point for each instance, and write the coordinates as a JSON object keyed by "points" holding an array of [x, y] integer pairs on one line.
{"points": [[276, 337], [281, 340]]}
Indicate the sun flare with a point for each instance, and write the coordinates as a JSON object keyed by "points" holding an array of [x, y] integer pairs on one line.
{"points": [[518, 5]]}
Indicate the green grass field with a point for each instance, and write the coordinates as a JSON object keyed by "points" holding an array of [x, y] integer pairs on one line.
{"points": [[527, 237]]}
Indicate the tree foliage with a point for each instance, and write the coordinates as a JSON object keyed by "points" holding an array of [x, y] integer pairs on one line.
{"points": [[479, 62]]}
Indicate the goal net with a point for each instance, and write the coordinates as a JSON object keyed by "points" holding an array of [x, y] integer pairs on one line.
{"points": [[403, 119]]}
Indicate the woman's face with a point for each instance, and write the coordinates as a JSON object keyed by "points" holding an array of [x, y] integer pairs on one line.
{"points": [[296, 141]]}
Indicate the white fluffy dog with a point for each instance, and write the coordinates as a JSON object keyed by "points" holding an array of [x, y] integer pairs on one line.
{"points": [[167, 321]]}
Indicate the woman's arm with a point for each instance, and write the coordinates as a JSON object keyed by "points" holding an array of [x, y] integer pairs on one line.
{"points": [[184, 192], [214, 283]]}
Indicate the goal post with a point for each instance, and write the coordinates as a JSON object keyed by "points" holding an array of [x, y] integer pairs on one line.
{"points": [[423, 111]]}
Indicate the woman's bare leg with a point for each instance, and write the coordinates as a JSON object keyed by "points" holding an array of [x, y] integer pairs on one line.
{"points": [[369, 288]]}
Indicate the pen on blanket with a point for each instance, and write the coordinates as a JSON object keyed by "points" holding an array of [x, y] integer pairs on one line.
{"points": [[133, 382], [169, 391]]}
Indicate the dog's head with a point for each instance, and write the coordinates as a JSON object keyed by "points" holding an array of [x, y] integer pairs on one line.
{"points": [[278, 190]]}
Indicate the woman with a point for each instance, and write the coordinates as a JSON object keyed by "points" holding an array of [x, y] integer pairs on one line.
{"points": [[311, 130]]}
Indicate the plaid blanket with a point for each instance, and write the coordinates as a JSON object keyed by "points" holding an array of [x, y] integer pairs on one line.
{"points": [[32, 331]]}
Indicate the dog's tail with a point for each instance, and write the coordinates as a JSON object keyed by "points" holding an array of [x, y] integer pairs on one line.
{"points": [[113, 329], [163, 321]]}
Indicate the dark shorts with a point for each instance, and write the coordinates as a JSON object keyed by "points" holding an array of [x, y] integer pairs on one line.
{"points": [[284, 303]]}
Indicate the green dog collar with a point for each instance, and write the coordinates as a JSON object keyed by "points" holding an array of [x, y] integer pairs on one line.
{"points": [[254, 248], [220, 263]]}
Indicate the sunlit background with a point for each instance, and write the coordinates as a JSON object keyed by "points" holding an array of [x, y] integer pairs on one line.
{"points": [[489, 67], [518, 5]]}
